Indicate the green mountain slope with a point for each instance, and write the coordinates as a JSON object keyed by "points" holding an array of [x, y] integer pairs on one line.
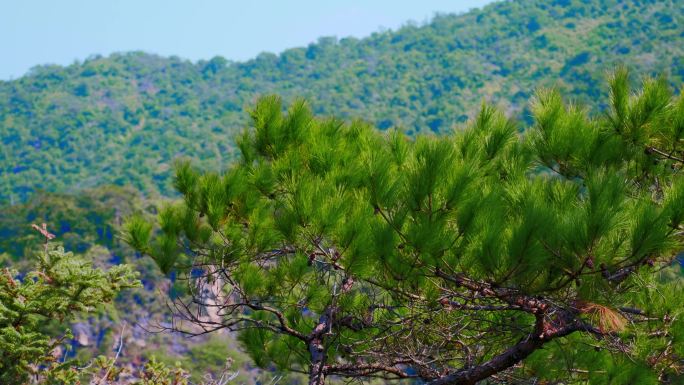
{"points": [[124, 118]]}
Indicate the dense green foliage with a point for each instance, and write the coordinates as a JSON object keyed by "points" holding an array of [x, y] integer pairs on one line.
{"points": [[123, 119], [60, 287], [345, 251], [79, 221], [88, 223]]}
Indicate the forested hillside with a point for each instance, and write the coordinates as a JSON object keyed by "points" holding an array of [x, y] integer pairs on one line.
{"points": [[123, 119]]}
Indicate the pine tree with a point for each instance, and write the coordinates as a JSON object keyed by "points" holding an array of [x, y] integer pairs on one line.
{"points": [[339, 250]]}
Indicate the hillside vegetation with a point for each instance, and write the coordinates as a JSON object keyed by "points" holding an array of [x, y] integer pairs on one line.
{"points": [[123, 119]]}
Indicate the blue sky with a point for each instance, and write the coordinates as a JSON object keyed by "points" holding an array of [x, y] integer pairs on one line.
{"points": [[61, 31]]}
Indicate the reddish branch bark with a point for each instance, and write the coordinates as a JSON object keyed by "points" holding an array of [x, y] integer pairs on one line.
{"points": [[544, 331]]}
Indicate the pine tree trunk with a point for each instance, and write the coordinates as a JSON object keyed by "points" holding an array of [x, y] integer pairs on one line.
{"points": [[317, 350], [316, 374]]}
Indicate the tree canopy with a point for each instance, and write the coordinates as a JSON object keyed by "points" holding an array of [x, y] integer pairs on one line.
{"points": [[338, 250]]}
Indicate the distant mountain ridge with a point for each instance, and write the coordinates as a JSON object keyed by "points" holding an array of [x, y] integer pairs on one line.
{"points": [[123, 119]]}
